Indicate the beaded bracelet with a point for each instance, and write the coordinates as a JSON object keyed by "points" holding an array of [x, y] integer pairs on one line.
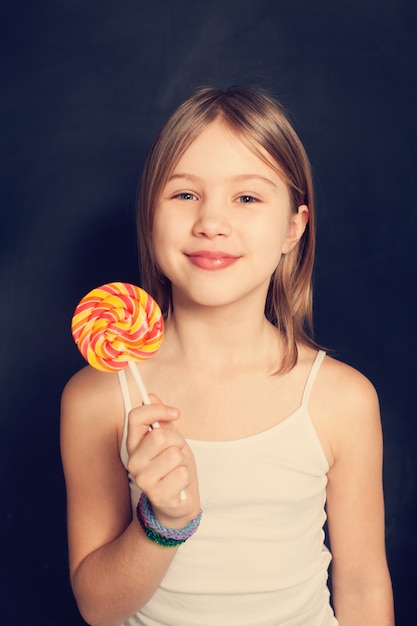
{"points": [[157, 532]]}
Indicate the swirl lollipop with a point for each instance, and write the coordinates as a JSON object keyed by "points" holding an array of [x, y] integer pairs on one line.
{"points": [[116, 324]]}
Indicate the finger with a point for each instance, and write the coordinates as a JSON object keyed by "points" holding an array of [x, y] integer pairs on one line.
{"points": [[164, 480], [154, 444], [173, 456], [141, 419], [167, 504], [161, 465], [155, 399], [143, 453]]}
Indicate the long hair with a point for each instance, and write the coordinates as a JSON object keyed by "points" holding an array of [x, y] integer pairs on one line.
{"points": [[259, 121]]}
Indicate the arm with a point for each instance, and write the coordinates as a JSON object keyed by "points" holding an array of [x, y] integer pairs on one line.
{"points": [[114, 568], [360, 579]]}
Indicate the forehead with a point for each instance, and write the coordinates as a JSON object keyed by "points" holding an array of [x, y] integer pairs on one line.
{"points": [[220, 147]]}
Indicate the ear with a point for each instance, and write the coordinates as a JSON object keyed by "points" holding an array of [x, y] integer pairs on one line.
{"points": [[298, 223]]}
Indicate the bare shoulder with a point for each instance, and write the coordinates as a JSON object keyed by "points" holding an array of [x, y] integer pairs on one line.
{"points": [[343, 406], [92, 379], [92, 401], [345, 383]]}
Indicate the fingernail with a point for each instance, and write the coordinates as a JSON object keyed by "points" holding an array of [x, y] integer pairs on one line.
{"points": [[173, 412]]}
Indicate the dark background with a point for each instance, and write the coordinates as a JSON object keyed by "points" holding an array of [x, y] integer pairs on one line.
{"points": [[85, 87]]}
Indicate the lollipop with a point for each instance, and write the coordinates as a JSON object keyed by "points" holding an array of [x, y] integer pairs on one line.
{"points": [[117, 324]]}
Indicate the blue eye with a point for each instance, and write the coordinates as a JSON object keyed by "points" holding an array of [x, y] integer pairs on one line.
{"points": [[185, 196], [246, 199]]}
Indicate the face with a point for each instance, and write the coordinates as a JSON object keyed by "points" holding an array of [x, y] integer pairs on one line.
{"points": [[222, 222]]}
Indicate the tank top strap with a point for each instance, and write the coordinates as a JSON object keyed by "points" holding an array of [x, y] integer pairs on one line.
{"points": [[128, 407], [312, 377]]}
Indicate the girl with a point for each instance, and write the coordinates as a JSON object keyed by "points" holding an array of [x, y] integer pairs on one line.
{"points": [[258, 428]]}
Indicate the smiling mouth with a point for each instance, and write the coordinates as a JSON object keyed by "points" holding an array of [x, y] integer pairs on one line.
{"points": [[211, 260]]}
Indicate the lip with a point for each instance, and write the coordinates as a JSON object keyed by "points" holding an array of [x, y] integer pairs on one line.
{"points": [[211, 259]]}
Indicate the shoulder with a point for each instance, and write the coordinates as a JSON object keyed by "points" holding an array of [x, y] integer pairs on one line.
{"points": [[345, 382], [336, 380], [344, 407], [92, 402], [91, 387]]}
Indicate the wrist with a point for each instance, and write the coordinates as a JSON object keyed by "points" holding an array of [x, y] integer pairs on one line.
{"points": [[158, 532], [173, 522]]}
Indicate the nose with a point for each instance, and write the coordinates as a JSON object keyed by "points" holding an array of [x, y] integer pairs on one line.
{"points": [[212, 220]]}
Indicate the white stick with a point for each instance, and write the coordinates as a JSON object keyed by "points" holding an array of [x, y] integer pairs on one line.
{"points": [[141, 387]]}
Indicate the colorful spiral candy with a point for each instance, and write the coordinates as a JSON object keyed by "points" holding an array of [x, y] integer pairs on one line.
{"points": [[115, 324]]}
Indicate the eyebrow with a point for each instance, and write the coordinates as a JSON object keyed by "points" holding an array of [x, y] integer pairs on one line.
{"points": [[238, 178]]}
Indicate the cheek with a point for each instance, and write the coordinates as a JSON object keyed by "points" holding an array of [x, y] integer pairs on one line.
{"points": [[166, 238], [158, 237], [162, 226], [271, 237]]}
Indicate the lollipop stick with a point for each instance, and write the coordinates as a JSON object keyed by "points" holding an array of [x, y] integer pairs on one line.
{"points": [[141, 387]]}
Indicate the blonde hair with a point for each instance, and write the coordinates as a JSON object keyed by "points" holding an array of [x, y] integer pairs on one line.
{"points": [[259, 121]]}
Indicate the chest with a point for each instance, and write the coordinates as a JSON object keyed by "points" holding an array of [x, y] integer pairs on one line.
{"points": [[229, 406]]}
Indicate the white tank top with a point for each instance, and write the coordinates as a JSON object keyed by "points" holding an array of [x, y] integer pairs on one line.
{"points": [[258, 557]]}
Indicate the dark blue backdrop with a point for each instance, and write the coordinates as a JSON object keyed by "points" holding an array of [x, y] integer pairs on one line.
{"points": [[85, 86]]}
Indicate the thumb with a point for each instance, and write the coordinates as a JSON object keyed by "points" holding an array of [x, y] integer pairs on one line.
{"points": [[155, 399]]}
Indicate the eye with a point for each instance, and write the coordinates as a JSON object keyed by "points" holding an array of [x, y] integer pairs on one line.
{"points": [[247, 199], [186, 195]]}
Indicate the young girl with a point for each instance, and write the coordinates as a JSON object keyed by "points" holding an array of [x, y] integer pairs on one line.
{"points": [[258, 429]]}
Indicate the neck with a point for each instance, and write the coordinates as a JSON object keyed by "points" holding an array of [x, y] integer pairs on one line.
{"points": [[221, 338]]}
